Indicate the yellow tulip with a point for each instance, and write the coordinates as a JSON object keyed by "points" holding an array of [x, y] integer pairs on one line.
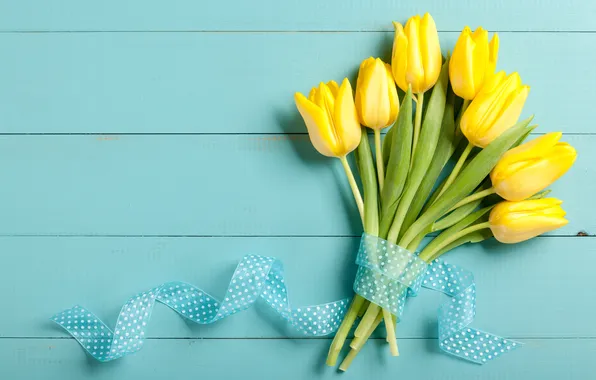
{"points": [[376, 95], [495, 108], [473, 61], [513, 222], [330, 117], [416, 58], [531, 167]]}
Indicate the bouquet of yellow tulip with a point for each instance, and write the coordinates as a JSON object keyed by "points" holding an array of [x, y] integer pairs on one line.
{"points": [[471, 116]]}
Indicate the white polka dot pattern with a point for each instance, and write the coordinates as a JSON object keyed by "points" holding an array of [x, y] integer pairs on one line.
{"points": [[255, 277], [387, 273], [455, 316]]}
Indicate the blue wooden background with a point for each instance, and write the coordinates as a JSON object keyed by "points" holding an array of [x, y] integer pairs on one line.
{"points": [[145, 141]]}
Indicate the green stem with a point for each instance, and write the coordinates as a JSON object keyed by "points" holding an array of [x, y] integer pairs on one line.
{"points": [[371, 226], [363, 308], [472, 198], [366, 321], [344, 329], [417, 123], [391, 337], [354, 351], [413, 246], [457, 168], [428, 254], [353, 186], [379, 156]]}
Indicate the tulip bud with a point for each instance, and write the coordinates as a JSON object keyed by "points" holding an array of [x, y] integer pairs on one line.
{"points": [[495, 108], [473, 61], [330, 117], [513, 222], [529, 168], [376, 95], [416, 59]]}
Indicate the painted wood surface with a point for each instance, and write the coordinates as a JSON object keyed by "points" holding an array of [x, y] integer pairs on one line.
{"points": [[290, 15], [240, 82], [203, 185], [147, 141]]}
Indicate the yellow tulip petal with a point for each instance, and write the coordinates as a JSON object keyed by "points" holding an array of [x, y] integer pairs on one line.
{"points": [[399, 57], [346, 120], [393, 98], [430, 51], [513, 222], [493, 54], [333, 87], [539, 145], [414, 69], [461, 67], [373, 103], [480, 56], [317, 123], [507, 117], [312, 94]]}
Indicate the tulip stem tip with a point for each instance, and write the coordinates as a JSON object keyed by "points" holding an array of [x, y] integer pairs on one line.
{"points": [[390, 328]]}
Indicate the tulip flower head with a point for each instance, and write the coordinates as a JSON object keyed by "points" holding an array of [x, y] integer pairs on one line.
{"points": [[376, 95], [495, 108], [529, 168], [330, 117], [473, 61], [513, 222], [416, 58]]}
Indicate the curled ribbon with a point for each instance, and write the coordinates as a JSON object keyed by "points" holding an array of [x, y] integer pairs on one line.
{"points": [[255, 277], [388, 274]]}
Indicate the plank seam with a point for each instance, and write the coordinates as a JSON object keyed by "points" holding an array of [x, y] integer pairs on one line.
{"points": [[580, 235], [210, 133], [273, 31], [295, 338]]}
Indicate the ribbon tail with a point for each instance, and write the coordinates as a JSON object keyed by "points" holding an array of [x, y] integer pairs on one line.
{"points": [[456, 315], [255, 277]]}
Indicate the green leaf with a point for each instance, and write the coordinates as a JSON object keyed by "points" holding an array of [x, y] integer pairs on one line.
{"points": [[540, 195], [444, 150], [398, 165], [425, 150], [387, 145], [469, 178], [472, 237], [525, 136], [428, 251], [455, 216], [368, 177]]}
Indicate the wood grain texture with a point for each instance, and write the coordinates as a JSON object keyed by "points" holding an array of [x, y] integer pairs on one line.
{"points": [[291, 15], [202, 185], [240, 82], [143, 141], [530, 290], [293, 359]]}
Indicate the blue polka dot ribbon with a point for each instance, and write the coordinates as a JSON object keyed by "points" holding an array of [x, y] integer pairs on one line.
{"points": [[388, 274], [255, 277]]}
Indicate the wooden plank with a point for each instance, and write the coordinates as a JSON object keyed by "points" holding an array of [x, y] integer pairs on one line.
{"points": [[291, 15], [239, 82], [529, 290], [202, 185], [290, 359]]}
